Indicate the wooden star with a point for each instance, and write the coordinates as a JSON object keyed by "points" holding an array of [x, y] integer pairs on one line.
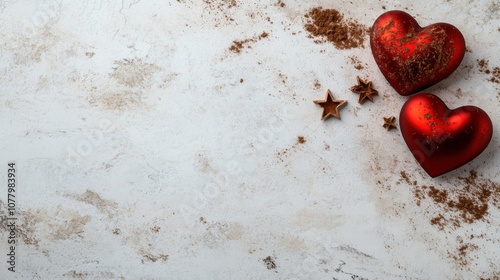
{"points": [[330, 106], [364, 90], [389, 122]]}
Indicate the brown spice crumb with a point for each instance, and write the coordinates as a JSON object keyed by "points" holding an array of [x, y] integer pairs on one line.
{"points": [[483, 64], [202, 220], [241, 81], [461, 257], [281, 4], [301, 140], [155, 229], [438, 221], [405, 177], [329, 25], [269, 262], [356, 62], [494, 73], [238, 45], [219, 5], [317, 84], [221, 8], [439, 196]]}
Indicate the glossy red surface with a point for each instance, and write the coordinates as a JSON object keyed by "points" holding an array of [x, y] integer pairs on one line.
{"points": [[442, 139], [413, 58]]}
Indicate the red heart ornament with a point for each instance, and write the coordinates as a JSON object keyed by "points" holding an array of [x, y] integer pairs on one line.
{"points": [[442, 139], [413, 58]]}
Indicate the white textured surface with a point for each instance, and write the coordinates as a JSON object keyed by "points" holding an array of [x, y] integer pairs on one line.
{"points": [[128, 122]]}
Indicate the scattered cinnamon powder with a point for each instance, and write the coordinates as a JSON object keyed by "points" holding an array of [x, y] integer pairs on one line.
{"points": [[461, 256], [317, 84], [496, 75], [301, 140], [439, 196], [405, 177], [466, 201], [221, 8], [464, 205], [356, 62], [483, 66], [456, 208], [220, 4], [237, 46], [281, 4], [493, 73], [330, 25]]}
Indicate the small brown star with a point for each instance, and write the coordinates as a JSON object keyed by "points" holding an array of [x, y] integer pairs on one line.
{"points": [[364, 90], [389, 122], [330, 106]]}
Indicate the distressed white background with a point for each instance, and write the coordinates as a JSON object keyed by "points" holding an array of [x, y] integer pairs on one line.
{"points": [[140, 155]]}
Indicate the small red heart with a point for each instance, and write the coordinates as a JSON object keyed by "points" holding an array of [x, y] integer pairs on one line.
{"points": [[413, 58], [442, 139]]}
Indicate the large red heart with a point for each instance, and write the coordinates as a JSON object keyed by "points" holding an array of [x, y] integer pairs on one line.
{"points": [[442, 139], [413, 58]]}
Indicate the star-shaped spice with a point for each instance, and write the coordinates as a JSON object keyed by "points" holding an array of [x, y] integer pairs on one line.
{"points": [[364, 90], [330, 106], [389, 122]]}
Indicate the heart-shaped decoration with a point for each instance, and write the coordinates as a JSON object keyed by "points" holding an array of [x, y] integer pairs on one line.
{"points": [[442, 139], [413, 58]]}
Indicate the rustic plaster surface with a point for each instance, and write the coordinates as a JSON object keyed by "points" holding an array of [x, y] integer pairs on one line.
{"points": [[146, 149]]}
